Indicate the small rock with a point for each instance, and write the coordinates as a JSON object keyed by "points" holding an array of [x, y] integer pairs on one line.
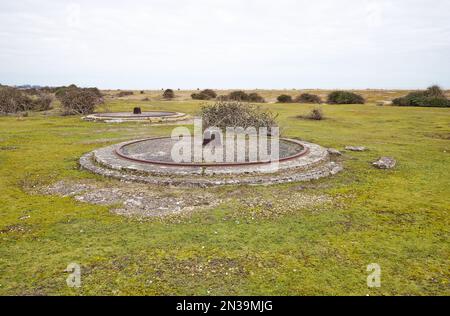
{"points": [[355, 148], [385, 163], [334, 152]]}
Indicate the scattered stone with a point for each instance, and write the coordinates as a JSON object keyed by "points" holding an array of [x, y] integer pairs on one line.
{"points": [[356, 148], [134, 199], [385, 163], [334, 152]]}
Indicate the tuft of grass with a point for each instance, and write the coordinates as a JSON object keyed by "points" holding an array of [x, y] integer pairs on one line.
{"points": [[315, 114]]}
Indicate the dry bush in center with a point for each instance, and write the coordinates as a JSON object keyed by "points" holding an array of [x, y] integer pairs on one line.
{"points": [[315, 114], [225, 114]]}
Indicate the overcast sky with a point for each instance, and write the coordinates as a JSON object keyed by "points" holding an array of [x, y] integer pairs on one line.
{"points": [[226, 43]]}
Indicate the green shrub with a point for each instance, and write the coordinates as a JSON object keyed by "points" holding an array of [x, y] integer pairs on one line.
{"points": [[211, 93], [168, 94], [236, 114], [284, 98], [435, 91], [256, 98], [432, 97], [308, 98], [223, 98], [239, 96], [200, 96], [61, 90], [345, 97], [124, 93]]}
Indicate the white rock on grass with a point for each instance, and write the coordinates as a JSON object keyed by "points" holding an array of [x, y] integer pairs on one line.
{"points": [[334, 152], [385, 163], [356, 148]]}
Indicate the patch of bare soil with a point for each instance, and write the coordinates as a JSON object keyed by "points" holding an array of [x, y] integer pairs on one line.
{"points": [[148, 201], [134, 199], [278, 205]]}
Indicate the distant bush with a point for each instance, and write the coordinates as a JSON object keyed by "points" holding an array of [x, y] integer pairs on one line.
{"points": [[238, 96], [13, 100], [59, 92], [223, 98], [168, 94], [432, 97], [209, 92], [41, 102], [308, 98], [124, 93], [344, 97], [236, 114], [284, 98], [435, 91], [256, 98], [79, 101], [142, 92], [315, 114], [200, 96]]}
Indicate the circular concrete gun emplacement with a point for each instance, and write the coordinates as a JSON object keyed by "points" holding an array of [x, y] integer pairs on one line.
{"points": [[138, 116], [151, 161]]}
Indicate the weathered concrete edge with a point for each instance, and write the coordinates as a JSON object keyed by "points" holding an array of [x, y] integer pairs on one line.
{"points": [[327, 169]]}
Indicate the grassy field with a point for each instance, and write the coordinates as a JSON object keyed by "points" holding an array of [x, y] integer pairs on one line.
{"points": [[398, 218]]}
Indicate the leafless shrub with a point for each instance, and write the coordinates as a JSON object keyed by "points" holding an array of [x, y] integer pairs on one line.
{"points": [[315, 114], [13, 100], [224, 114], [79, 102], [41, 102]]}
